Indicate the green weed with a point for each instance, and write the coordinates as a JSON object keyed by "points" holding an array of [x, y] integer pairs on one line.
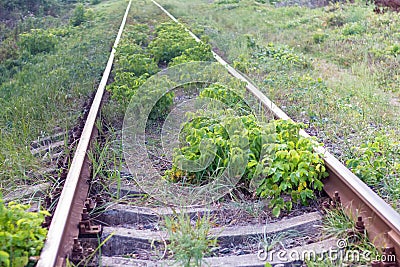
{"points": [[189, 241]]}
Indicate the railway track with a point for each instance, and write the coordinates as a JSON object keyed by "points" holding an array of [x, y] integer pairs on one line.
{"points": [[132, 235]]}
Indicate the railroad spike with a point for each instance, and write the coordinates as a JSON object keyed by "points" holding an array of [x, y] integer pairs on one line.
{"points": [[86, 229], [77, 251], [360, 226]]}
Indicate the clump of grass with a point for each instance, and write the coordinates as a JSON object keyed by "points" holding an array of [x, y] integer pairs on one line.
{"points": [[358, 248], [190, 240]]}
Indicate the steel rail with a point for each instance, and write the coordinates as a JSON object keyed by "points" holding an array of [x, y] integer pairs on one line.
{"points": [[382, 222], [64, 225]]}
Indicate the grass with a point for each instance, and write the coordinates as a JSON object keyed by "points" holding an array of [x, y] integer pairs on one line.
{"points": [[347, 93], [50, 88], [358, 250]]}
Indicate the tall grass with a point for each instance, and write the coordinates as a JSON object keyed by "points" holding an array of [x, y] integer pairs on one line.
{"points": [[49, 91]]}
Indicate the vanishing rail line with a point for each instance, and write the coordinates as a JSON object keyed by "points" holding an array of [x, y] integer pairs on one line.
{"points": [[381, 221]]}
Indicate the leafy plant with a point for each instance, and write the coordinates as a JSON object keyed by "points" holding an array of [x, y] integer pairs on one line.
{"points": [[294, 169], [21, 234], [137, 34], [200, 52], [377, 163], [189, 241], [37, 41], [80, 15], [171, 41], [281, 161], [281, 54]]}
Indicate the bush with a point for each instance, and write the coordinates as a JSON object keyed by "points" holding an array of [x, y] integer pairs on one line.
{"points": [[280, 161], [38, 41], [200, 52], [78, 17], [170, 42], [21, 234]]}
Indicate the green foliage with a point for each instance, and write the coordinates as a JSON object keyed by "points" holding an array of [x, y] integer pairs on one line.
{"points": [[200, 52], [281, 161], [137, 59], [21, 234], [171, 41], [353, 29], [233, 99], [37, 41], [137, 34], [125, 85], [79, 16], [281, 54], [137, 63], [378, 163], [134, 65], [319, 37], [189, 242], [95, 2], [294, 169]]}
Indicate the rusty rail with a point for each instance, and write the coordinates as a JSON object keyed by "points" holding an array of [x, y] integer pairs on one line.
{"points": [[66, 218], [381, 221]]}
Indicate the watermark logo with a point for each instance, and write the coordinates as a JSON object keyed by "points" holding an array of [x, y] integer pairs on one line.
{"points": [[341, 253]]}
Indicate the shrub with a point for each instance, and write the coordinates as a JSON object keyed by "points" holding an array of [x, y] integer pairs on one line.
{"points": [[294, 169], [21, 234], [78, 17], [170, 42], [200, 52], [37, 41], [280, 161]]}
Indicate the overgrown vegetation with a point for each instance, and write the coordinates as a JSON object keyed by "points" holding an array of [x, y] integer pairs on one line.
{"points": [[139, 56], [278, 160], [21, 234], [189, 240], [46, 75], [334, 68]]}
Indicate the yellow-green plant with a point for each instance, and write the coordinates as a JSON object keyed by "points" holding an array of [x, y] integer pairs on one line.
{"points": [[21, 234], [189, 241]]}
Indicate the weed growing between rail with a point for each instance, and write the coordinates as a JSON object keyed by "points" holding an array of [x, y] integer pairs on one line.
{"points": [[189, 240], [293, 171]]}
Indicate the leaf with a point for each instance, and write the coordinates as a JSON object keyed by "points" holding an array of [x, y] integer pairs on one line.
{"points": [[276, 211]]}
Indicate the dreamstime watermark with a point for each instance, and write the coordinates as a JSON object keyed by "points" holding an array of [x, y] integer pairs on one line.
{"points": [[338, 253]]}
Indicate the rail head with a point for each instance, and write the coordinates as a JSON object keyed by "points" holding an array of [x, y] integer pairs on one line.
{"points": [[56, 245]]}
